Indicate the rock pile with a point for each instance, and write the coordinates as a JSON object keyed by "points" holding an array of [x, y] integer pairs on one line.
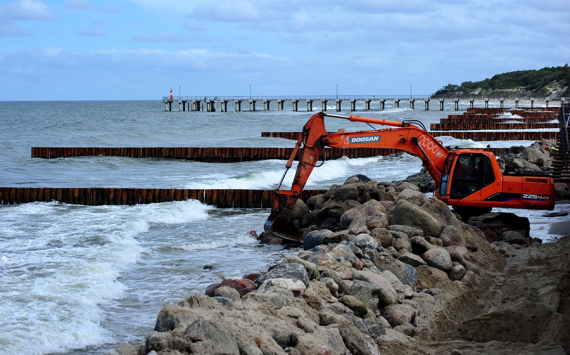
{"points": [[371, 255], [535, 157]]}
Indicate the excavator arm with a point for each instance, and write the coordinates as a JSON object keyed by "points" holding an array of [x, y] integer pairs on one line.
{"points": [[314, 138]]}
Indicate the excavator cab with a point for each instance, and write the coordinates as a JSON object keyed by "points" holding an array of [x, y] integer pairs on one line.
{"points": [[472, 173], [465, 174]]}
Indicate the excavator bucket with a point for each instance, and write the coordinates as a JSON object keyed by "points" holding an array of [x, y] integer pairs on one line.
{"points": [[280, 224]]}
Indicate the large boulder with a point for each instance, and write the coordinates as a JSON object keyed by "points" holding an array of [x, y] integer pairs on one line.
{"points": [[382, 236], [363, 211], [406, 273], [409, 214], [311, 268], [386, 293], [321, 341], [440, 209], [314, 238], [409, 231], [347, 192], [405, 185], [438, 258], [413, 196], [287, 271], [451, 236], [399, 314], [299, 210]]}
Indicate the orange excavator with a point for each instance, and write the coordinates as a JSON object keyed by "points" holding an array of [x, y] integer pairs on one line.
{"points": [[469, 180]]}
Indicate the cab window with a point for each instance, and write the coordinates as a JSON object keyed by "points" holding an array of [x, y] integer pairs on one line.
{"points": [[472, 172]]}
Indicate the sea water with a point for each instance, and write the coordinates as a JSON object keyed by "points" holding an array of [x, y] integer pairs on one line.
{"points": [[80, 279]]}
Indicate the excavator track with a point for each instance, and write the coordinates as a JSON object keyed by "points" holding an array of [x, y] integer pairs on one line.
{"points": [[496, 221]]}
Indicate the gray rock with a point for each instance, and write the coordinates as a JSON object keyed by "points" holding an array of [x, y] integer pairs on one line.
{"points": [[382, 236], [357, 342], [315, 201], [337, 279], [451, 235], [212, 338], [512, 237], [402, 245], [412, 259], [355, 305], [227, 292], [419, 245], [314, 238], [404, 185], [377, 220], [438, 258], [409, 214], [409, 231], [322, 340], [331, 285], [364, 241], [287, 271], [395, 282], [398, 314], [438, 208], [412, 196], [469, 266], [363, 211], [279, 284], [406, 273], [345, 251], [377, 285], [311, 268], [347, 192], [363, 291], [399, 235], [172, 316], [457, 272], [299, 210]]}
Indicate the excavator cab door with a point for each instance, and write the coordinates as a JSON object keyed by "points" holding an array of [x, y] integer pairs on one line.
{"points": [[470, 174], [445, 175]]}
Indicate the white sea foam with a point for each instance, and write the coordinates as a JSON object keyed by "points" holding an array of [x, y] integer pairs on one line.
{"points": [[508, 115], [66, 263], [225, 241]]}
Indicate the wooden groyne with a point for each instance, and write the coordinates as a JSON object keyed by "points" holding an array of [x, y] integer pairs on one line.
{"points": [[489, 125], [494, 118], [220, 198], [210, 155], [474, 135]]}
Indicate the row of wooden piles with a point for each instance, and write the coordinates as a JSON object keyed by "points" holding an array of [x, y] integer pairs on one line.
{"points": [[526, 120], [209, 155], [221, 198]]}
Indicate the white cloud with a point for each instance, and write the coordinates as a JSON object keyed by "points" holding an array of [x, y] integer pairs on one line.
{"points": [[25, 10]]}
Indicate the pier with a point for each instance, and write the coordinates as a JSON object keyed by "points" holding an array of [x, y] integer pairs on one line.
{"points": [[222, 103]]}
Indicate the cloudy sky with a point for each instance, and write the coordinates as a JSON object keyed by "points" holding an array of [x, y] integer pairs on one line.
{"points": [[140, 49]]}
